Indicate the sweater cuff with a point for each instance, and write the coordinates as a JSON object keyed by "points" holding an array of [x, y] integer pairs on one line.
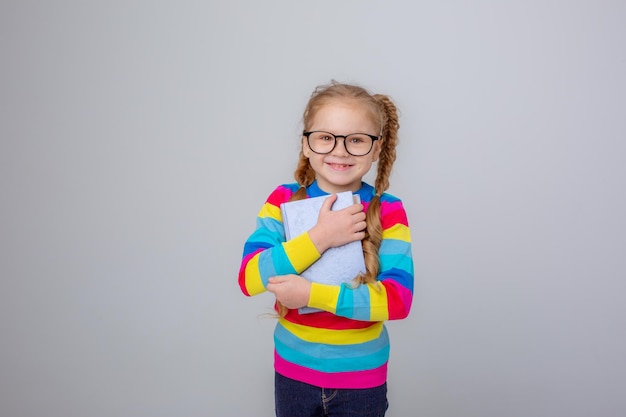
{"points": [[324, 297], [301, 252]]}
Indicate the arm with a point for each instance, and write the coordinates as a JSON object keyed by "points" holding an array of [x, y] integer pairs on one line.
{"points": [[391, 296], [267, 254]]}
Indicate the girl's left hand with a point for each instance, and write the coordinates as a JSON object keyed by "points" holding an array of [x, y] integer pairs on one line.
{"points": [[291, 290]]}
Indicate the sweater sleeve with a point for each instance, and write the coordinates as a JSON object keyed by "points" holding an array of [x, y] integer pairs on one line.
{"points": [[391, 296], [267, 254]]}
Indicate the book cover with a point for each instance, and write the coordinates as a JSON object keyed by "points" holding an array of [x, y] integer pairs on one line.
{"points": [[337, 265]]}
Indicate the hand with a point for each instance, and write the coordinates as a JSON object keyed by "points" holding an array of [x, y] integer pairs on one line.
{"points": [[336, 228], [291, 290]]}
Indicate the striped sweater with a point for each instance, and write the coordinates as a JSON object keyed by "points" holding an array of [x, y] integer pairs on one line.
{"points": [[346, 345]]}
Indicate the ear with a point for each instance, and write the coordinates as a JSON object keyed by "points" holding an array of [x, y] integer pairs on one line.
{"points": [[376, 150], [305, 147]]}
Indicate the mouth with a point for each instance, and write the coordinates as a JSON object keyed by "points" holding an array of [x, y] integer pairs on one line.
{"points": [[338, 167]]}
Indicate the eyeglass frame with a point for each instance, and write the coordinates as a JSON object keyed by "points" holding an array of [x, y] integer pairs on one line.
{"points": [[309, 133]]}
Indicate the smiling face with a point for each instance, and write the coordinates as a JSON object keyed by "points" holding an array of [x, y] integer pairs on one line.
{"points": [[339, 171]]}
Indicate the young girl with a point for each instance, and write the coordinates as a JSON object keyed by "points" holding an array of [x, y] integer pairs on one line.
{"points": [[334, 362]]}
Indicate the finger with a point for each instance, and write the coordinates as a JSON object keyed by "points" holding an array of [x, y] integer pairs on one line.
{"points": [[277, 279], [360, 216], [360, 226], [328, 203], [354, 208]]}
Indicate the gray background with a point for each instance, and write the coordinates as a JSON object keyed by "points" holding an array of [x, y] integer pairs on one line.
{"points": [[140, 138]]}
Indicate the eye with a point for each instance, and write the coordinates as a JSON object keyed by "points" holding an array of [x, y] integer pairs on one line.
{"points": [[325, 137], [357, 139]]}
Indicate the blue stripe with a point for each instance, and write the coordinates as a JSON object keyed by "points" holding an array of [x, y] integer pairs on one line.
{"points": [[399, 276], [388, 198], [292, 186], [250, 247], [263, 238], [332, 358]]}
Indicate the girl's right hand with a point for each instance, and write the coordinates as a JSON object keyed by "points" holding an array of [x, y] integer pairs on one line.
{"points": [[336, 228]]}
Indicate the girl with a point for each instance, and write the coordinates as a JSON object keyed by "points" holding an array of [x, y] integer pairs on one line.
{"points": [[334, 362]]}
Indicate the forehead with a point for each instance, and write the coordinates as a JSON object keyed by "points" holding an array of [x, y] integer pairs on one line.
{"points": [[344, 116]]}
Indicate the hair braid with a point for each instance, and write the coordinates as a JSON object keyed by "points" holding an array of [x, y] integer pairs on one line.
{"points": [[389, 141], [386, 158], [304, 176]]}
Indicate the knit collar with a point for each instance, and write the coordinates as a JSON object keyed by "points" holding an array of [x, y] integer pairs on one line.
{"points": [[366, 192]]}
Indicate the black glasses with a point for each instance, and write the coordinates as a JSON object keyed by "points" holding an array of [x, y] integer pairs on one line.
{"points": [[356, 144]]}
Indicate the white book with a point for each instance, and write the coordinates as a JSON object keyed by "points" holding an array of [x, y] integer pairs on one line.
{"points": [[337, 265]]}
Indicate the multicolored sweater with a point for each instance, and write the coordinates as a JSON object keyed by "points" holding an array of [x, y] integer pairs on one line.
{"points": [[346, 345]]}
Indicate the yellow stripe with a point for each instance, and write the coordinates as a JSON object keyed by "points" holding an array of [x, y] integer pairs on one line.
{"points": [[398, 232], [270, 210], [301, 252], [379, 308], [333, 337], [254, 285], [324, 297]]}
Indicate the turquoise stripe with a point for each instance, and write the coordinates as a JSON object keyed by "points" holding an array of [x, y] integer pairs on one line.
{"points": [[270, 225], [401, 262], [281, 261], [395, 246], [267, 236], [272, 262], [266, 266], [360, 301], [332, 358], [345, 302]]}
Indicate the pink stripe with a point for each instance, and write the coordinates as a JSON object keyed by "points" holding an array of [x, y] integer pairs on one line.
{"points": [[394, 215], [242, 271], [399, 300], [344, 380], [392, 206], [279, 195]]}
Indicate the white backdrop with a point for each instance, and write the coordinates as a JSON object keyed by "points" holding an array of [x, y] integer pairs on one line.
{"points": [[140, 138]]}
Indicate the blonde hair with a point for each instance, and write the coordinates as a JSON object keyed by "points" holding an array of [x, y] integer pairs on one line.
{"points": [[385, 115]]}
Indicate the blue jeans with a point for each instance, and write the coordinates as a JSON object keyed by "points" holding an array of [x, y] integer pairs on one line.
{"points": [[297, 399]]}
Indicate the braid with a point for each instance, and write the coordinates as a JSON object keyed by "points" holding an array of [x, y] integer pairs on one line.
{"points": [[389, 142], [386, 158], [371, 243], [304, 173]]}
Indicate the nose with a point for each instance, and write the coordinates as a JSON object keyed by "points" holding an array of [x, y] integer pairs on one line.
{"points": [[340, 150]]}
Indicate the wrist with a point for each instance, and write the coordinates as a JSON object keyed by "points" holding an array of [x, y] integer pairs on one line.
{"points": [[324, 296], [317, 240]]}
